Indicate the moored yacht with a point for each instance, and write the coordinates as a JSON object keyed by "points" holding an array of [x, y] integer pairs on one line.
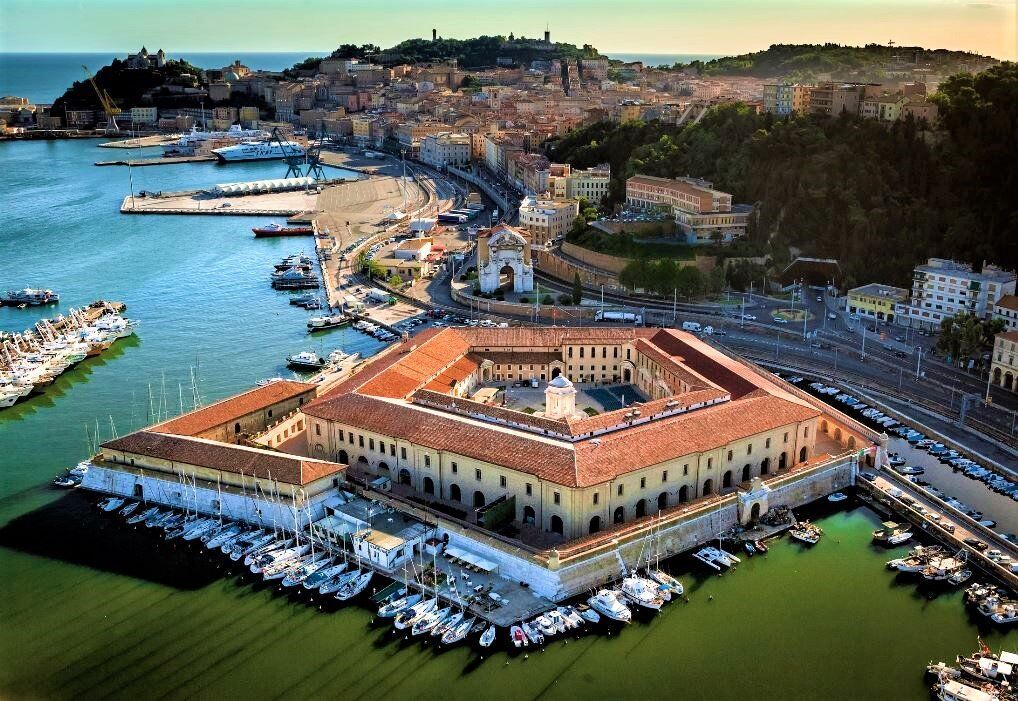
{"points": [[606, 603]]}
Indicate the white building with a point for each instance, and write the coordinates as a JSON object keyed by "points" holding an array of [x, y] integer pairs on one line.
{"points": [[444, 149], [944, 288], [547, 219], [144, 115], [1006, 309]]}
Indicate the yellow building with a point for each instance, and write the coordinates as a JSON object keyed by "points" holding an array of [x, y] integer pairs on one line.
{"points": [[875, 301], [1004, 367]]}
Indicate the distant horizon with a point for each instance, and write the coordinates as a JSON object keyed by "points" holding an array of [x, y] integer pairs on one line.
{"points": [[661, 27]]}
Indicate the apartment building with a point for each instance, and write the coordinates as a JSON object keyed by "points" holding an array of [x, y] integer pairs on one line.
{"points": [[144, 116], [1006, 309], [832, 99], [885, 108], [702, 214], [786, 98], [444, 149], [943, 288], [591, 184], [547, 219], [875, 301]]}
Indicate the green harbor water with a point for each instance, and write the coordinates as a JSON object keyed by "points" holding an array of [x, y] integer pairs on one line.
{"points": [[89, 609]]}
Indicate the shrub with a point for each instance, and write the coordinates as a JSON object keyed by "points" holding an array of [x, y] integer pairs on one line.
{"points": [[565, 299], [547, 299]]}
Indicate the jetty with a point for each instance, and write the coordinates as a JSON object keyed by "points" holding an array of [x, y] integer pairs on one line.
{"points": [[141, 141], [160, 161]]}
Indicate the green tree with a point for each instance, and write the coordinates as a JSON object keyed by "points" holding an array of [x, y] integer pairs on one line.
{"points": [[689, 282], [577, 288]]}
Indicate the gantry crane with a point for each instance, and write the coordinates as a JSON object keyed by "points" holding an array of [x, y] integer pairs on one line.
{"points": [[108, 105]]}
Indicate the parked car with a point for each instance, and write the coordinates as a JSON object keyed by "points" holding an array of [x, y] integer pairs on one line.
{"points": [[976, 543]]}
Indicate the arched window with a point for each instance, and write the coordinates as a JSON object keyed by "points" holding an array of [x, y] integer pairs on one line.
{"points": [[620, 515], [708, 487], [529, 515], [595, 524], [362, 460], [454, 493], [556, 525], [765, 466], [726, 480], [429, 485], [851, 442], [641, 508], [662, 501], [802, 454], [746, 476], [783, 461], [684, 494], [344, 459], [478, 499], [404, 475], [236, 428]]}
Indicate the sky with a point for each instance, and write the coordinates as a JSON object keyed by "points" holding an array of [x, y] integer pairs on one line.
{"points": [[619, 26]]}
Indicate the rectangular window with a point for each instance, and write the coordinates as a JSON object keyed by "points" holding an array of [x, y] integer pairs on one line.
{"points": [[749, 449], [477, 475], [710, 463], [402, 453], [381, 447], [729, 456], [685, 470], [371, 444], [455, 468], [767, 443], [318, 430], [597, 497], [786, 437], [503, 482], [621, 490], [643, 483], [805, 432], [349, 437], [392, 449], [664, 476], [360, 441], [556, 497], [427, 461], [530, 489]]}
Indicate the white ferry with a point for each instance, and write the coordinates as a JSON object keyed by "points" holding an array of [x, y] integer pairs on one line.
{"points": [[187, 144], [259, 151]]}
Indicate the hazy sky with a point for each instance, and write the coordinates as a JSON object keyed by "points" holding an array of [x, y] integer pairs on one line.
{"points": [[622, 26]]}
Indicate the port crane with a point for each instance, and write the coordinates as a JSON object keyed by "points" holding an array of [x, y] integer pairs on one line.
{"points": [[108, 105]]}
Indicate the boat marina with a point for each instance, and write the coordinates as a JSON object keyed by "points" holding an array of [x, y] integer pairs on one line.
{"points": [[33, 359]]}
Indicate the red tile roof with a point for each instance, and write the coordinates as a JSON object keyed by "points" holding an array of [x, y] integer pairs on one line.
{"points": [[225, 457], [235, 407]]}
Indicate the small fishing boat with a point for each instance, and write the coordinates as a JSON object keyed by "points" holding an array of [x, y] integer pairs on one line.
{"points": [[488, 637], [837, 497], [533, 633], [960, 577], [760, 546], [749, 548], [891, 533], [332, 321], [111, 504], [806, 532], [66, 481], [306, 360], [588, 614], [518, 637]]}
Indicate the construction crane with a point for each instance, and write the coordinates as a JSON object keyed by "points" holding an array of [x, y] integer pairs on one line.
{"points": [[108, 105]]}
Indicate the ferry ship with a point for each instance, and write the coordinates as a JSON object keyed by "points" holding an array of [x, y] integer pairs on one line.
{"points": [[30, 297], [259, 151], [188, 143]]}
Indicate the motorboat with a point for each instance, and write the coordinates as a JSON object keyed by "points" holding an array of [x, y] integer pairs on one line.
{"points": [[960, 577], [67, 481], [606, 603], [81, 469], [573, 619], [320, 577], [760, 546], [391, 608], [642, 592], [534, 634], [518, 637], [111, 503], [588, 614], [280, 230], [488, 636], [749, 548], [306, 360], [329, 321], [837, 497], [130, 508], [892, 533], [560, 622], [30, 297]]}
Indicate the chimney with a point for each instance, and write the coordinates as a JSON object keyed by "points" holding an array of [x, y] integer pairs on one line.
{"points": [[434, 35]]}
